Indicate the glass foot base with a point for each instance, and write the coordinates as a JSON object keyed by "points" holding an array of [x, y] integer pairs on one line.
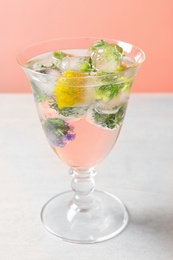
{"points": [[104, 219]]}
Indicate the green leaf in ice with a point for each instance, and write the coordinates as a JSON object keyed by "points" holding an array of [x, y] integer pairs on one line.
{"points": [[57, 124], [69, 111], [97, 45], [119, 48], [112, 52], [108, 91], [59, 55], [86, 65], [58, 132], [110, 121], [52, 66]]}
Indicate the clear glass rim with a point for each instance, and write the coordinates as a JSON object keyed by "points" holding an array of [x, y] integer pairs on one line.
{"points": [[36, 46]]}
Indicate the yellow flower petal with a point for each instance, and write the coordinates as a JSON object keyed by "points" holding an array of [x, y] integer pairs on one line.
{"points": [[69, 90]]}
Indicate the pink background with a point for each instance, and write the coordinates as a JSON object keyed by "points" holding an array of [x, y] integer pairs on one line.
{"points": [[147, 24]]}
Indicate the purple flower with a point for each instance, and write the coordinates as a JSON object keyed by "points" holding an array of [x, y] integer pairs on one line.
{"points": [[58, 132], [58, 142], [69, 137]]}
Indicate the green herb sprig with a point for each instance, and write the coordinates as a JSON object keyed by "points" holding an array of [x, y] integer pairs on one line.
{"points": [[110, 121]]}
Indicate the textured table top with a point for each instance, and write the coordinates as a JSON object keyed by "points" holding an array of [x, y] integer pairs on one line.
{"points": [[139, 171]]}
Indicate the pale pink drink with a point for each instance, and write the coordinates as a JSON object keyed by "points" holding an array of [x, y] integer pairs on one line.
{"points": [[90, 146]]}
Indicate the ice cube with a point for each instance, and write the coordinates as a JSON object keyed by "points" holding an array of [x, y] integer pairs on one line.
{"points": [[46, 75], [106, 57], [51, 71], [75, 63], [109, 121], [42, 90], [42, 69], [43, 81], [40, 61], [111, 106], [106, 107], [72, 113], [105, 121], [57, 56]]}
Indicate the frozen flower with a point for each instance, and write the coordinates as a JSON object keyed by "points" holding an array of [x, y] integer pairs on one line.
{"points": [[58, 132], [69, 90], [69, 137]]}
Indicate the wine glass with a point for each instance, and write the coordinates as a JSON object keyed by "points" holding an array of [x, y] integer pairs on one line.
{"points": [[81, 98]]}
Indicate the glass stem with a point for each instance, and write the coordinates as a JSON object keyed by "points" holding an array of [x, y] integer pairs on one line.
{"points": [[83, 185]]}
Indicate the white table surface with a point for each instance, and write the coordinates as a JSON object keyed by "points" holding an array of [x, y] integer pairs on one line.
{"points": [[139, 171]]}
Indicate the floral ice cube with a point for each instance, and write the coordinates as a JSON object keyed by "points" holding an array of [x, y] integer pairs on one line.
{"points": [[69, 90], [58, 132], [51, 71], [75, 63], [106, 57], [109, 121], [57, 56]]}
